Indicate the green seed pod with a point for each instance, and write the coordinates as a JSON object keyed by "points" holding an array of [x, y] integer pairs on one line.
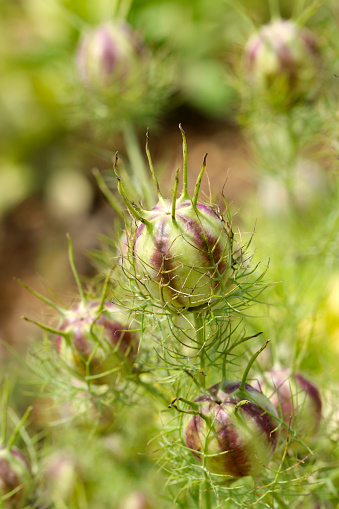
{"points": [[296, 399], [182, 250], [97, 343], [15, 476], [281, 60], [183, 260], [109, 55], [59, 476], [234, 431]]}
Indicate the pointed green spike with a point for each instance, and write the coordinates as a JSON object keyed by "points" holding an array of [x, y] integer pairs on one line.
{"points": [[175, 191], [73, 267], [121, 186], [184, 152], [198, 184], [132, 207], [104, 291], [249, 365], [114, 203], [46, 327], [17, 429], [41, 297], [155, 180]]}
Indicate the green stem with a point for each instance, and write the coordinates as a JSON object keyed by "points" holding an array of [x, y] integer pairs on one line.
{"points": [[207, 494], [201, 339], [274, 9], [5, 398]]}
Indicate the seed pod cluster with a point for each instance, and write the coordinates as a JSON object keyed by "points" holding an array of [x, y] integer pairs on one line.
{"points": [[234, 432]]}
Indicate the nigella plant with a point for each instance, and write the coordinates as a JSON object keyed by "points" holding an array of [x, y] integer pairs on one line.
{"points": [[89, 358], [117, 80], [167, 334], [182, 254], [281, 62]]}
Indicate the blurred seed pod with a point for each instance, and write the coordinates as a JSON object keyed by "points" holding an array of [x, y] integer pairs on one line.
{"points": [[58, 476], [118, 80], [136, 500], [97, 343], [297, 401], [15, 478], [281, 62]]}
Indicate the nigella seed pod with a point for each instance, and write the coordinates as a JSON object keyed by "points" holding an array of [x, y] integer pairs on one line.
{"points": [[15, 478], [108, 54], [234, 431], [296, 399], [96, 341], [136, 500], [282, 61], [59, 476], [182, 250], [182, 260]]}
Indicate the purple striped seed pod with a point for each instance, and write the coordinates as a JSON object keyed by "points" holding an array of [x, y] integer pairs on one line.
{"points": [[98, 343], [297, 401], [108, 54], [15, 476], [282, 60], [183, 262], [59, 476], [235, 432]]}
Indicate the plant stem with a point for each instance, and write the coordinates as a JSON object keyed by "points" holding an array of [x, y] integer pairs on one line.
{"points": [[5, 398], [207, 494], [201, 333]]}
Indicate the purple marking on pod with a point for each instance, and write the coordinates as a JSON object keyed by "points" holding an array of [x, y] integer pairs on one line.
{"points": [[241, 439], [314, 394], [12, 475], [108, 50]]}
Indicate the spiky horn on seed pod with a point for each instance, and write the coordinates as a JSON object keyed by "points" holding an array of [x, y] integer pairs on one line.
{"points": [[182, 248]]}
